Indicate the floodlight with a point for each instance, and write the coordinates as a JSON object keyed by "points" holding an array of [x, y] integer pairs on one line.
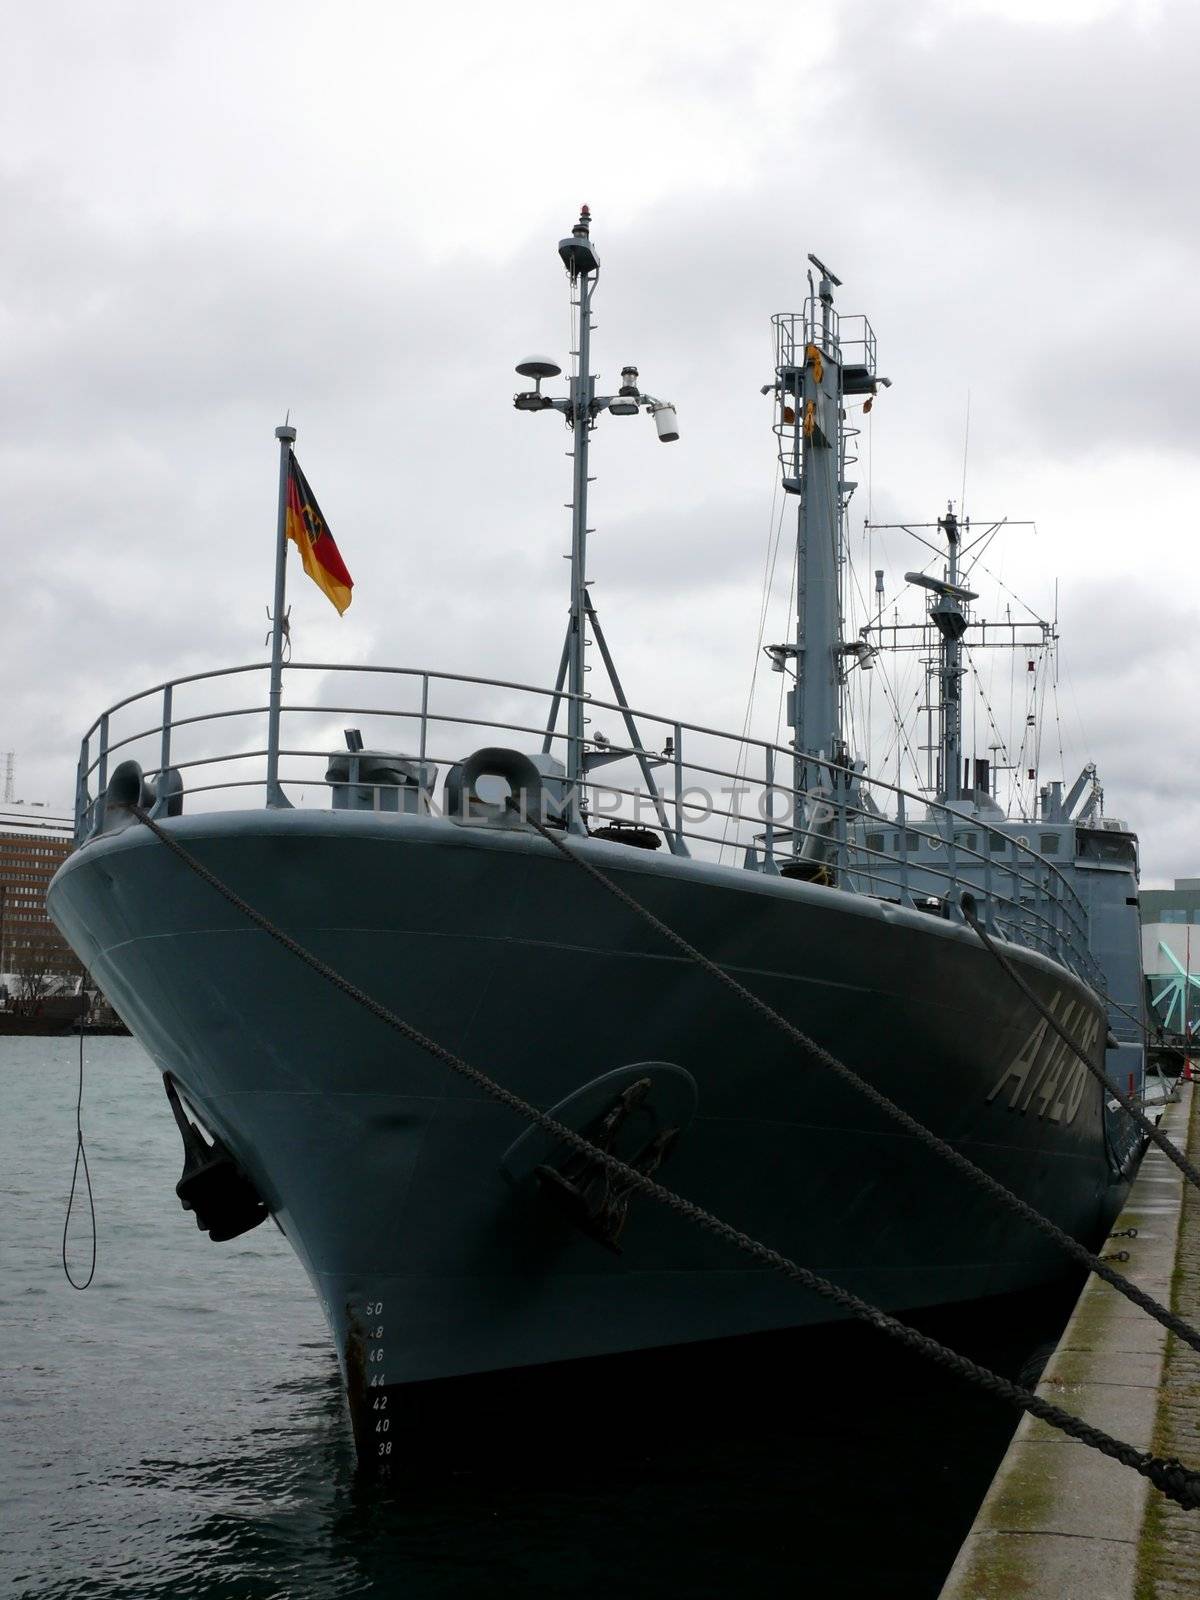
{"points": [[666, 422]]}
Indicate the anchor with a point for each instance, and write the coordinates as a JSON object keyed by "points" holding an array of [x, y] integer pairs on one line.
{"points": [[637, 1114], [213, 1186], [586, 1192]]}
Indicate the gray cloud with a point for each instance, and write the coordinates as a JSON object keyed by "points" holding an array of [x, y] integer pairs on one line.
{"points": [[192, 249]]}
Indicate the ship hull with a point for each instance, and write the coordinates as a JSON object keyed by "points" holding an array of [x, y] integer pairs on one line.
{"points": [[387, 1172]]}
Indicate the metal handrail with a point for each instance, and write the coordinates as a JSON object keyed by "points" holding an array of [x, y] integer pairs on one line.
{"points": [[173, 683], [1039, 930], [739, 777], [1042, 908]]}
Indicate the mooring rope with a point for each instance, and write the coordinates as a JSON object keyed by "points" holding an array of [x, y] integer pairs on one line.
{"points": [[955, 1158], [1171, 1476], [80, 1155]]}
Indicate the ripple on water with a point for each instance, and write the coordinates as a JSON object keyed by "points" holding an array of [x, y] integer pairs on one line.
{"points": [[179, 1430]]}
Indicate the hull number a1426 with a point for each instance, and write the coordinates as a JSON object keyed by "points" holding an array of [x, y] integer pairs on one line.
{"points": [[1045, 1076]]}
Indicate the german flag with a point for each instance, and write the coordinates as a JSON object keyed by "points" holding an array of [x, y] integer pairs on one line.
{"points": [[306, 528]]}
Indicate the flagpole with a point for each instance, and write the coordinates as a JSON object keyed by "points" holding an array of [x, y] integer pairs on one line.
{"points": [[275, 795]]}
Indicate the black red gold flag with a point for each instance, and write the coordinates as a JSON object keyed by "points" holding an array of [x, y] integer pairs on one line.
{"points": [[307, 529]]}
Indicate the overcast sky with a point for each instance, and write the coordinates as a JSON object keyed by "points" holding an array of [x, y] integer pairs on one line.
{"points": [[217, 213]]}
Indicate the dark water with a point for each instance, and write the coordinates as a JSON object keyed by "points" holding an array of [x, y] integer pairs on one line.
{"points": [[178, 1428]]}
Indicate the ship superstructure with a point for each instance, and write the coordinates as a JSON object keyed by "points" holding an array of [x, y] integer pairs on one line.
{"points": [[968, 833], [431, 1224]]}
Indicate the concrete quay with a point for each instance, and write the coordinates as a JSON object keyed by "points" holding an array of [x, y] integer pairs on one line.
{"points": [[1061, 1521]]}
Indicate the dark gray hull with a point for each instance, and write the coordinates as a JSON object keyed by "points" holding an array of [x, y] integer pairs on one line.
{"points": [[384, 1169]]}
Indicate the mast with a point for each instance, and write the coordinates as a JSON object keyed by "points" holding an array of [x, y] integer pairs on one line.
{"points": [[580, 409], [286, 435], [949, 612], [820, 358], [583, 265], [948, 617]]}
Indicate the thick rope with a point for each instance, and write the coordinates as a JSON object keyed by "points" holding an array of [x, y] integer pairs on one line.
{"points": [[1172, 1477], [1154, 1133], [955, 1158], [80, 1155]]}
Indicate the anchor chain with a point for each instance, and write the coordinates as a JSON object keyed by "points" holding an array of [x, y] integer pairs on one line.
{"points": [[1171, 1476]]}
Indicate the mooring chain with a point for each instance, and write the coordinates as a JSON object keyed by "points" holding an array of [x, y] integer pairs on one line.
{"points": [[955, 1158], [1171, 1476], [1154, 1133]]}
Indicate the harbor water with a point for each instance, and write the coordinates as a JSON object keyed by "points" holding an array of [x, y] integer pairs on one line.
{"points": [[178, 1429]]}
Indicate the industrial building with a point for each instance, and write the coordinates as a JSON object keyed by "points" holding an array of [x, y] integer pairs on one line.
{"points": [[1171, 953]]}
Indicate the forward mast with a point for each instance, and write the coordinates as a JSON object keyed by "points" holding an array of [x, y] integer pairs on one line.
{"points": [[820, 359], [580, 408]]}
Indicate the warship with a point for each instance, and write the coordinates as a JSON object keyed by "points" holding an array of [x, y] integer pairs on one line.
{"points": [[445, 1237]]}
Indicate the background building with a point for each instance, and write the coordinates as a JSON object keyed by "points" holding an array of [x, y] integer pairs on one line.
{"points": [[1171, 953], [34, 957]]}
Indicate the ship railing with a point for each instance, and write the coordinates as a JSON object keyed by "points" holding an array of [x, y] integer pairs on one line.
{"points": [[724, 798], [1018, 893], [849, 340]]}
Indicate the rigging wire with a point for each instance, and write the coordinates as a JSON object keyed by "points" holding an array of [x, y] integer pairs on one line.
{"points": [[774, 535], [1024, 604], [1084, 740], [854, 587], [869, 531], [1012, 693], [1040, 714], [892, 693], [1055, 647], [901, 733], [1001, 744], [856, 716], [895, 694], [783, 676], [1063, 668], [1062, 759], [975, 560], [1027, 752]]}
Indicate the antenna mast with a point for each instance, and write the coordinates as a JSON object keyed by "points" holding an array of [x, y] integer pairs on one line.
{"points": [[950, 620], [583, 266], [580, 409], [948, 611]]}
